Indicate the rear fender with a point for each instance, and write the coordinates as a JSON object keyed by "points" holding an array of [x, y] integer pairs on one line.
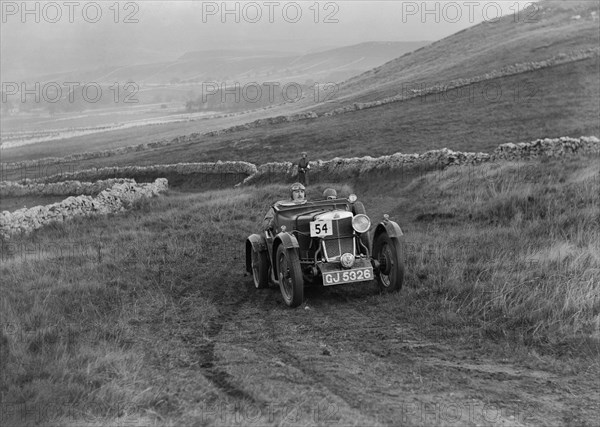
{"points": [[257, 243]]}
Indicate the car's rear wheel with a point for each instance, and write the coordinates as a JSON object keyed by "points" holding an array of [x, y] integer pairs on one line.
{"points": [[260, 269], [291, 282], [365, 238], [388, 252]]}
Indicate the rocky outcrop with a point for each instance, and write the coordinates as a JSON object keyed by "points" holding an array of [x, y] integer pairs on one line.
{"points": [[115, 199], [29, 187]]}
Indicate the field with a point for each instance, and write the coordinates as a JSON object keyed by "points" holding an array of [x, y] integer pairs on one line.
{"points": [[155, 322], [126, 135], [148, 317], [557, 101]]}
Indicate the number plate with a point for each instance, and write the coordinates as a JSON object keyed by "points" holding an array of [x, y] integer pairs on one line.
{"points": [[321, 228], [347, 276]]}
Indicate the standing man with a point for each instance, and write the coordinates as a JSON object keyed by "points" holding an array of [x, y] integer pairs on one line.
{"points": [[303, 168]]}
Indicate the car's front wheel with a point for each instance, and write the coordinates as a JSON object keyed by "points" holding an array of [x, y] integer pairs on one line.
{"points": [[291, 282], [388, 252], [260, 269]]}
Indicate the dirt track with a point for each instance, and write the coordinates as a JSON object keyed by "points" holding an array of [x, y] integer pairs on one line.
{"points": [[343, 359], [213, 350]]}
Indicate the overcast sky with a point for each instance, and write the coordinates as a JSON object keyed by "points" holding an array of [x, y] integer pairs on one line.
{"points": [[46, 37]]}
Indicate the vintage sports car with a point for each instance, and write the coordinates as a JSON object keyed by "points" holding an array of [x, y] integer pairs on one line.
{"points": [[324, 243]]}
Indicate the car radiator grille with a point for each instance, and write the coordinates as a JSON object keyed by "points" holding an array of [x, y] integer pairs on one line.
{"points": [[336, 245]]}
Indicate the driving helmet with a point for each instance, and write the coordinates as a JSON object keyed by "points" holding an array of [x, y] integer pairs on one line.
{"points": [[296, 186], [330, 193]]}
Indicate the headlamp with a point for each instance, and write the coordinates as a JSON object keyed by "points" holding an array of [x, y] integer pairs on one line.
{"points": [[361, 223]]}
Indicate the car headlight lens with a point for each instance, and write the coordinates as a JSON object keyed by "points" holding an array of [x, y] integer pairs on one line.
{"points": [[352, 198], [361, 223], [347, 260]]}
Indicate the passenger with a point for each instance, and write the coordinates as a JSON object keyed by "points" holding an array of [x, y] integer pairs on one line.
{"points": [[330, 194]]}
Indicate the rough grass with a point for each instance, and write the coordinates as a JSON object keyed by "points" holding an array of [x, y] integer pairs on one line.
{"points": [[494, 252], [515, 246]]}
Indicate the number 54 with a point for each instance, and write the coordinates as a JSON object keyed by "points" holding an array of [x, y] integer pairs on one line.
{"points": [[321, 228]]}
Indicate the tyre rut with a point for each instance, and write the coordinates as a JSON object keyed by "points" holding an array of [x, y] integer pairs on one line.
{"points": [[202, 346], [209, 364], [354, 397]]}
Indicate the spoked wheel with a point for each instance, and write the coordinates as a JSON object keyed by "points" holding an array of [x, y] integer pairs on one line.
{"points": [[260, 269], [291, 282], [388, 252]]}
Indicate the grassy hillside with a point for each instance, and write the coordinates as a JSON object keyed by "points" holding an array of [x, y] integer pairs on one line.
{"points": [[504, 257], [535, 35], [560, 100], [551, 102]]}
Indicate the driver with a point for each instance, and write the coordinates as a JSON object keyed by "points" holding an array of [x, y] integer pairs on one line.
{"points": [[298, 193], [297, 196]]}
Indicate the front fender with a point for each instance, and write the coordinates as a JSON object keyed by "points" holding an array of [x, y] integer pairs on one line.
{"points": [[288, 241], [390, 227], [257, 243]]}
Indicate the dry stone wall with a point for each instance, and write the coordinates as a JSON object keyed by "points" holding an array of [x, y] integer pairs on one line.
{"points": [[337, 168], [547, 147], [29, 187], [218, 168], [114, 199], [123, 192], [263, 122], [344, 168]]}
